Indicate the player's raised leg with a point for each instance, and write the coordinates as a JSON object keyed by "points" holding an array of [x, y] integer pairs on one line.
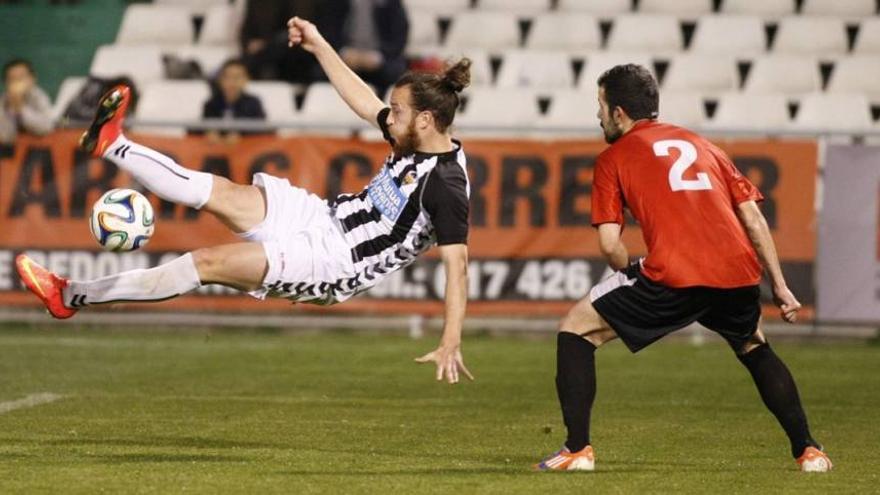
{"points": [[780, 394], [240, 207], [581, 331], [242, 266]]}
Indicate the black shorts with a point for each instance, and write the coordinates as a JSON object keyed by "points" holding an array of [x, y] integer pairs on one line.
{"points": [[642, 311]]}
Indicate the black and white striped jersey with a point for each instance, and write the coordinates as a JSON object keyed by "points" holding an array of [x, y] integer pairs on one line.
{"points": [[413, 203]]}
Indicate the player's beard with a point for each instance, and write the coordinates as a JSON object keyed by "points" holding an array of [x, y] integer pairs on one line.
{"points": [[408, 143], [611, 130]]}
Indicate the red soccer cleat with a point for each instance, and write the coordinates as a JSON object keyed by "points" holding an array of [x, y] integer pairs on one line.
{"points": [[107, 124], [564, 460], [45, 285], [814, 460]]}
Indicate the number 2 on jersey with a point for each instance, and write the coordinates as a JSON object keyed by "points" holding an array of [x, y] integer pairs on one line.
{"points": [[687, 158]]}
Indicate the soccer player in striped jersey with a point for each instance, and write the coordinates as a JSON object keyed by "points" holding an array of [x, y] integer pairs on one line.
{"points": [[296, 245], [707, 244]]}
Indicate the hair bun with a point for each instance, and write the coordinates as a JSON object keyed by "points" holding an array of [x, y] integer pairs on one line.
{"points": [[457, 76]]}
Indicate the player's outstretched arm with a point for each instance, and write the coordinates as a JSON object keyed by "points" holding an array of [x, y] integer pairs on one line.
{"points": [[759, 233], [356, 93], [448, 355], [612, 246]]}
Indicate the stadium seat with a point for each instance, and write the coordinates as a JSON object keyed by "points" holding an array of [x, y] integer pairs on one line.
{"points": [[487, 30], [600, 8], [644, 32], [481, 66], [682, 108], [570, 31], [841, 112], [210, 58], [221, 26], [155, 25], [751, 112], [517, 7], [764, 8], [70, 87], [729, 34], [570, 113], [683, 9], [171, 101], [789, 74], [197, 7], [330, 115], [857, 74], [818, 36], [598, 62], [868, 39], [142, 63], [445, 8], [850, 9], [492, 112], [424, 32], [708, 74], [535, 69], [277, 98]]}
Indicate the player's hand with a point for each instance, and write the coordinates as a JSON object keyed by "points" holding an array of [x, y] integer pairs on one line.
{"points": [[303, 33], [449, 363], [788, 304]]}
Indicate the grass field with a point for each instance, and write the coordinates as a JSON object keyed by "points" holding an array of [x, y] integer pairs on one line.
{"points": [[262, 412]]}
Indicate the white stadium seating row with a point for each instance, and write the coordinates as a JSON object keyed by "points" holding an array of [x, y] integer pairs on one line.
{"points": [[547, 70], [497, 109], [681, 8], [658, 31]]}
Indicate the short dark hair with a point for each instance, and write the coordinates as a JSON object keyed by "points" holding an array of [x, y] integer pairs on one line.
{"points": [[632, 88], [438, 93], [234, 61], [15, 62]]}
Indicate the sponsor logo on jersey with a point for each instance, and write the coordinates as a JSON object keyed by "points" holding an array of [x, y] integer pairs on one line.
{"points": [[386, 196]]}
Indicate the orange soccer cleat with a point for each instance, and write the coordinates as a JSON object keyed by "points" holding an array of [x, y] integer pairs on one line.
{"points": [[813, 460], [584, 460], [107, 124], [45, 285]]}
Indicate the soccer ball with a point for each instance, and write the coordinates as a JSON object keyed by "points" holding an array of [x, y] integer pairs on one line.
{"points": [[122, 220]]}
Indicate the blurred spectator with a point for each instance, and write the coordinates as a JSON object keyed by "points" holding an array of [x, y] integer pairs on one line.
{"points": [[230, 101], [25, 107], [264, 40], [370, 35]]}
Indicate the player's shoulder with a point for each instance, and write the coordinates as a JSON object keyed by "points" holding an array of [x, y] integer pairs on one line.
{"points": [[652, 132]]}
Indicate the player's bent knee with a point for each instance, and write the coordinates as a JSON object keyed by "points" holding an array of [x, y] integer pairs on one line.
{"points": [[756, 340], [242, 266], [580, 319], [208, 262]]}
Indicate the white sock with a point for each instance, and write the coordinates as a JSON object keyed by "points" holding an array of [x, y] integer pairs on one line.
{"points": [[172, 279], [160, 174]]}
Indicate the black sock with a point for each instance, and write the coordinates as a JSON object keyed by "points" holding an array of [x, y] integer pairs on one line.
{"points": [[780, 395], [576, 386]]}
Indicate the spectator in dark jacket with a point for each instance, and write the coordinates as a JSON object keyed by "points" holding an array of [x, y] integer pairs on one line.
{"points": [[264, 40], [370, 36], [230, 101]]}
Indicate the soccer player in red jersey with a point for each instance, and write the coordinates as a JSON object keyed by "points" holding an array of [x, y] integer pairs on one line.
{"points": [[707, 244]]}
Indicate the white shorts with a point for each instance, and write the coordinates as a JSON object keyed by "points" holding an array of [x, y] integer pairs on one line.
{"points": [[303, 242]]}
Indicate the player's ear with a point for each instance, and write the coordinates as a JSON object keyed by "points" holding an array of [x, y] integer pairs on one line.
{"points": [[425, 120]]}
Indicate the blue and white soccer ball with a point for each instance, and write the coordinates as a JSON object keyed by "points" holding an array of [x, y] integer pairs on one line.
{"points": [[122, 220]]}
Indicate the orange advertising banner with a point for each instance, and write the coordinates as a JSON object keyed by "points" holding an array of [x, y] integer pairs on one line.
{"points": [[533, 251]]}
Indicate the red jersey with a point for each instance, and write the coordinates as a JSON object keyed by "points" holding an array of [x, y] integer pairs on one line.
{"points": [[683, 191]]}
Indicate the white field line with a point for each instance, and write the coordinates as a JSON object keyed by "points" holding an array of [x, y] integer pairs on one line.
{"points": [[29, 401]]}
